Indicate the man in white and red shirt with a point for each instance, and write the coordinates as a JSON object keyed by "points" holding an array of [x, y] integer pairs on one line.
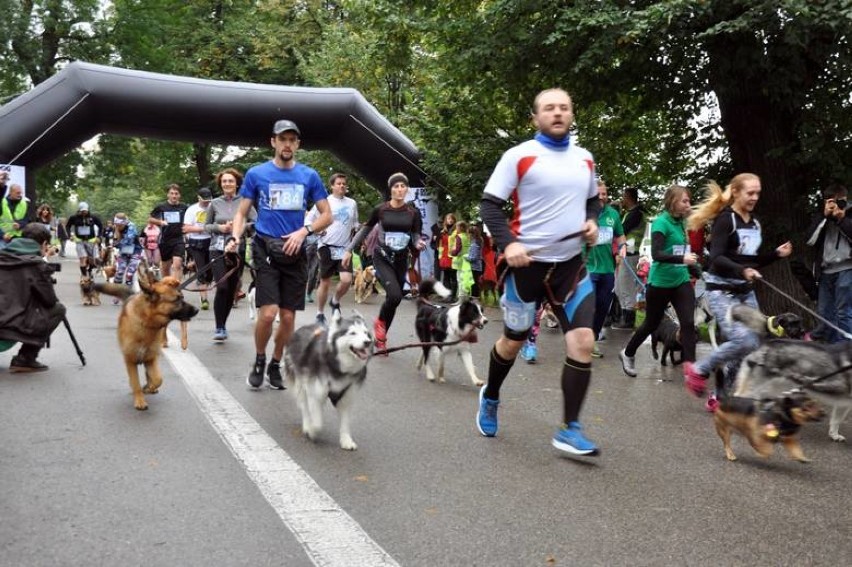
{"points": [[551, 185]]}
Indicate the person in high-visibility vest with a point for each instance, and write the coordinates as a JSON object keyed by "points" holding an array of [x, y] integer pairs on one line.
{"points": [[15, 213]]}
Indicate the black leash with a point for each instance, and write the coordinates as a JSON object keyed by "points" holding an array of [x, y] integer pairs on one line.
{"points": [[803, 307], [189, 280], [415, 345], [505, 269]]}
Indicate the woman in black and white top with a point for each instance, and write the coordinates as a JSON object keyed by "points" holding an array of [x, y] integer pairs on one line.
{"points": [[735, 256]]}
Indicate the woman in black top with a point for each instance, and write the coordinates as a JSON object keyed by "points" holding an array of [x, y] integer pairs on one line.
{"points": [[735, 256], [399, 235]]}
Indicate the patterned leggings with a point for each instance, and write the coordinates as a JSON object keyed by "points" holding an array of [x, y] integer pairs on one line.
{"points": [[125, 268], [739, 339]]}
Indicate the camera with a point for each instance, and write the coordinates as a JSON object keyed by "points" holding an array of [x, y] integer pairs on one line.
{"points": [[841, 203]]}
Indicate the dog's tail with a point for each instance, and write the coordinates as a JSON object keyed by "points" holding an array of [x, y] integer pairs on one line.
{"points": [[431, 287], [116, 290], [748, 316]]}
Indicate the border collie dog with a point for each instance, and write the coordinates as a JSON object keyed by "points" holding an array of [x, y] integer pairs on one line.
{"points": [[455, 325]]}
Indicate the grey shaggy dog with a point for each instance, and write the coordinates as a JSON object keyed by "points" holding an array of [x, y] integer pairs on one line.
{"points": [[822, 371], [328, 363]]}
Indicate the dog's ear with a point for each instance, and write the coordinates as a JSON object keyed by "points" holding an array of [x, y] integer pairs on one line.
{"points": [[146, 280]]}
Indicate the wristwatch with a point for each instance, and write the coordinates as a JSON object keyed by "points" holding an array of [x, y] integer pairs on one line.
{"points": [[309, 229]]}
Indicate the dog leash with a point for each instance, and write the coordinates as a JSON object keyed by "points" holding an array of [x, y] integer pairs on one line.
{"points": [[189, 280], [805, 308], [506, 267], [415, 345]]}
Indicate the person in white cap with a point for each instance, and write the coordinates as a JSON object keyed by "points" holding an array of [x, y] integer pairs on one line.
{"points": [[84, 229]]}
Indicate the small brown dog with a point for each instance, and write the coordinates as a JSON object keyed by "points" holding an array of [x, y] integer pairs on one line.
{"points": [[764, 422], [88, 292], [365, 283], [142, 327]]}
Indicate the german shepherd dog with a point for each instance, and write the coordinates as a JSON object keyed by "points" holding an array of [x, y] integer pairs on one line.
{"points": [[667, 333], [365, 283], [331, 363], [88, 292], [142, 326], [442, 324], [766, 421], [823, 371]]}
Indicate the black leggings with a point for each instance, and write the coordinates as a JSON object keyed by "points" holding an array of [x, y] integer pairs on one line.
{"points": [[657, 299], [391, 270], [225, 289]]}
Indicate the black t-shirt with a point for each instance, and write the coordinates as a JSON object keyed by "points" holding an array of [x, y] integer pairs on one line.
{"points": [[172, 214], [85, 227]]}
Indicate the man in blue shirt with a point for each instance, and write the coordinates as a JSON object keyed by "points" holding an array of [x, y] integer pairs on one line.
{"points": [[281, 190]]}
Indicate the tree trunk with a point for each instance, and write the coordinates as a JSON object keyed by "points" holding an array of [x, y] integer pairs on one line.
{"points": [[757, 128], [201, 157]]}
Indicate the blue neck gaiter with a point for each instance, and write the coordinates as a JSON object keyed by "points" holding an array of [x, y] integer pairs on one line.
{"points": [[553, 143]]}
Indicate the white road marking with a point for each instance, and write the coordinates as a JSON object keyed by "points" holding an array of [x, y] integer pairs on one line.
{"points": [[329, 535]]}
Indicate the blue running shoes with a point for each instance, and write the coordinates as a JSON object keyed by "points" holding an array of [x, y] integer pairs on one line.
{"points": [[529, 352], [486, 417], [570, 439]]}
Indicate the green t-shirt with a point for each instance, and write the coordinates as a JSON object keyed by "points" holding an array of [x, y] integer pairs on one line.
{"points": [[599, 258], [664, 274]]}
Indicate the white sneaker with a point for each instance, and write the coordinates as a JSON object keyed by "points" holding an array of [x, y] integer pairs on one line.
{"points": [[628, 363]]}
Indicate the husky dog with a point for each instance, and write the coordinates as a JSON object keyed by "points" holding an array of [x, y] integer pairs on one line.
{"points": [[823, 371], [331, 363], [436, 323]]}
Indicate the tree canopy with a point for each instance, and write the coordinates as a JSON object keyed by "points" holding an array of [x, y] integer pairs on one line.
{"points": [[676, 90]]}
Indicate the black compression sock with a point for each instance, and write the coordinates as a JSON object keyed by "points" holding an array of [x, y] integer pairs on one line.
{"points": [[498, 369], [575, 382]]}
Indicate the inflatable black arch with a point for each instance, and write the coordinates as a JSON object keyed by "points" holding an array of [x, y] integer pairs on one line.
{"points": [[86, 99]]}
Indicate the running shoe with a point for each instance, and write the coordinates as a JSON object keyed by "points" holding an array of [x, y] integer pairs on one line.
{"points": [[321, 320], [596, 352], [628, 363], [381, 335], [712, 404], [570, 439], [255, 377], [273, 374], [486, 417], [205, 305], [695, 383], [529, 352], [220, 335], [335, 306]]}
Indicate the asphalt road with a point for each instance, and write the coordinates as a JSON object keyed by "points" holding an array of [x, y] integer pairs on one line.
{"points": [[87, 480]]}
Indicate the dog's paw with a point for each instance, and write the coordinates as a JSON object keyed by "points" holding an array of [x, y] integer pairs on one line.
{"points": [[477, 382], [347, 443], [837, 437], [140, 404], [310, 432]]}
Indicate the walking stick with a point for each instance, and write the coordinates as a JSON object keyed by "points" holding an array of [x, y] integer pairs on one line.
{"points": [[74, 340]]}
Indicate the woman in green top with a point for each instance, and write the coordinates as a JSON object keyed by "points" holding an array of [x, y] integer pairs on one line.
{"points": [[668, 281]]}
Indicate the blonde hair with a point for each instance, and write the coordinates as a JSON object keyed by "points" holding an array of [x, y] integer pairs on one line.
{"points": [[672, 196], [717, 199]]}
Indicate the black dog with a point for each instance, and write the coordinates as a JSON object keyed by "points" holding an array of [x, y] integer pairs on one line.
{"points": [[667, 333]]}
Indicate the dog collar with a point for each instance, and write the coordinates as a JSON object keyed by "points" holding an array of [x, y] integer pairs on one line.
{"points": [[776, 330]]}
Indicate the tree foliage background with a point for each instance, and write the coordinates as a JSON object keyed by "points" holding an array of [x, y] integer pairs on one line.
{"points": [[676, 90]]}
